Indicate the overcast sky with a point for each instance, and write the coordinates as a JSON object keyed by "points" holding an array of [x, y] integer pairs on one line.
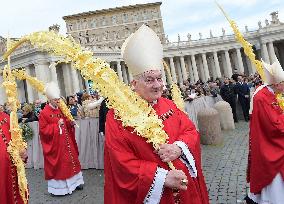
{"points": [[20, 17]]}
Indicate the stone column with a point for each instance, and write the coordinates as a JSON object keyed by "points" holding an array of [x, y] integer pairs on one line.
{"points": [[42, 74], [253, 69], [212, 67], [75, 80], [53, 74], [66, 69], [201, 70], [272, 55], [205, 67], [190, 69], [3, 97], [21, 91], [228, 64], [180, 79], [164, 75], [240, 61], [111, 65], [130, 75], [194, 67], [173, 70], [81, 80], [217, 65], [281, 53], [249, 65], [264, 53], [87, 86], [29, 87], [124, 74], [119, 71], [183, 70]]}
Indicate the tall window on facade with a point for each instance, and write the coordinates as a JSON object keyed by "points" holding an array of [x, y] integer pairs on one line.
{"points": [[114, 20], [93, 24], [104, 21], [125, 18]]}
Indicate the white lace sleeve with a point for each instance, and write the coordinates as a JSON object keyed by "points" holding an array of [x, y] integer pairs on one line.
{"points": [[187, 158], [156, 190]]}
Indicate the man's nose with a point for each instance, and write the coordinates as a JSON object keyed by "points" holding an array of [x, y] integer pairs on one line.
{"points": [[157, 84]]}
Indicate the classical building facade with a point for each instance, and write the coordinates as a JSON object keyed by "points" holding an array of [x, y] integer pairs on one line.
{"points": [[105, 30]]}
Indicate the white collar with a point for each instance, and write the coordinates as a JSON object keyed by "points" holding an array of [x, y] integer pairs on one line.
{"points": [[270, 89], [153, 102]]}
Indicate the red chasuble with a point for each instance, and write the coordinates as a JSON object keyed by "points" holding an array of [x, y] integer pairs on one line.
{"points": [[9, 190], [130, 163], [266, 154], [60, 151]]}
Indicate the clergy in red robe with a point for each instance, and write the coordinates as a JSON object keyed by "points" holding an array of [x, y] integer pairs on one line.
{"points": [[134, 172], [9, 190], [266, 152], [57, 134]]}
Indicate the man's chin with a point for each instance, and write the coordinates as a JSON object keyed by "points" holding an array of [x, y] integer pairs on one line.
{"points": [[156, 97]]}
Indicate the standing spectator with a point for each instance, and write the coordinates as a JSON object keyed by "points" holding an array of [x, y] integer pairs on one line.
{"points": [[227, 92], [243, 92], [102, 116], [90, 105], [57, 134]]}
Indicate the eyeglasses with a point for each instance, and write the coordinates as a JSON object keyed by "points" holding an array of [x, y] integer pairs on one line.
{"points": [[151, 80]]}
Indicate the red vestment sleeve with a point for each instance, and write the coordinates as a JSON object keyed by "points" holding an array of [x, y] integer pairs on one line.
{"points": [[128, 172], [46, 129]]}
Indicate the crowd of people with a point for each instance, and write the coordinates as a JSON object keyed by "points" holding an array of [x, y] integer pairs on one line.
{"points": [[237, 89]]}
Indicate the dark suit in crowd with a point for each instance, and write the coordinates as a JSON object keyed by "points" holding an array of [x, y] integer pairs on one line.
{"points": [[102, 116], [243, 92], [227, 92]]}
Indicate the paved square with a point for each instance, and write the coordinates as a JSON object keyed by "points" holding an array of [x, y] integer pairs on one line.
{"points": [[224, 168]]}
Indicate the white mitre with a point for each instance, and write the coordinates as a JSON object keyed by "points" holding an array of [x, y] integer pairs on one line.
{"points": [[142, 51], [274, 73], [52, 90]]}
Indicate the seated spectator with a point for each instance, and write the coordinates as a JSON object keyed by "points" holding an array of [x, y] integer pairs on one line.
{"points": [[28, 114], [74, 107], [37, 107]]}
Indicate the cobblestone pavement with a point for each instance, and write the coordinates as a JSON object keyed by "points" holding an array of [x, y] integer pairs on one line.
{"points": [[224, 168]]}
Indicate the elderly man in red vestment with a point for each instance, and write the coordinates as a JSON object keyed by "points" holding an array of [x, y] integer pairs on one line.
{"points": [[9, 190], [134, 171], [57, 134], [266, 152]]}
